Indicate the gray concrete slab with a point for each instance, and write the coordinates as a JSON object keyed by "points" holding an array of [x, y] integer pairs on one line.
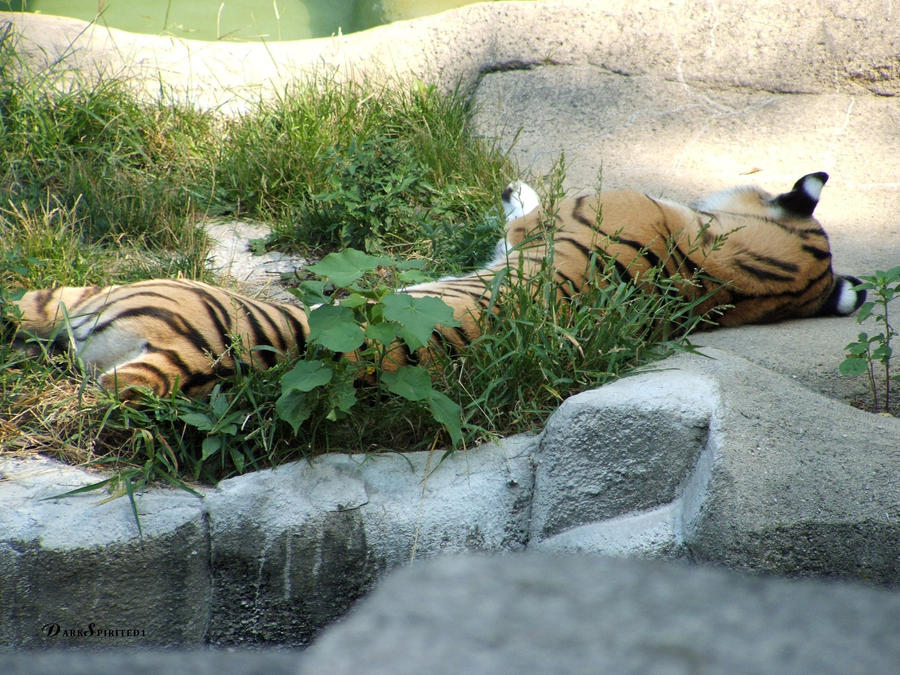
{"points": [[529, 613]]}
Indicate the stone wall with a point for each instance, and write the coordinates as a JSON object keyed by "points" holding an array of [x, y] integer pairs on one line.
{"points": [[706, 460]]}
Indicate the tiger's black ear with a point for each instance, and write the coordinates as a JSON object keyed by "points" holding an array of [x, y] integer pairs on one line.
{"points": [[803, 199]]}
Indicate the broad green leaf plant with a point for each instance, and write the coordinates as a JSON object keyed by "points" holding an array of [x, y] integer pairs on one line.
{"points": [[369, 323]]}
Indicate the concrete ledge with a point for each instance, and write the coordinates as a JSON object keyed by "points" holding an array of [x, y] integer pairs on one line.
{"points": [[77, 562], [626, 447], [293, 547], [558, 614], [651, 534]]}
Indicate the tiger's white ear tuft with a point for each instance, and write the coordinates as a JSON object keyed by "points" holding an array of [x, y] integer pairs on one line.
{"points": [[519, 199], [804, 197], [812, 185]]}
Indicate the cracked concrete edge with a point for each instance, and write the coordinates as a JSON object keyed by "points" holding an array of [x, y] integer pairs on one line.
{"points": [[658, 532], [267, 557], [551, 613], [787, 481], [799, 484], [653, 534], [835, 46]]}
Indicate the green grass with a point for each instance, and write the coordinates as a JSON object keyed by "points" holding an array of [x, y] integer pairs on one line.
{"points": [[383, 170], [92, 179], [102, 188], [327, 164]]}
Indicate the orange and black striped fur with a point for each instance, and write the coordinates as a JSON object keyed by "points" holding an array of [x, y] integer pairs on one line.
{"points": [[162, 332], [775, 263]]}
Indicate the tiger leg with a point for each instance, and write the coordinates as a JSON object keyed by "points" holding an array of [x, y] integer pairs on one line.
{"points": [[126, 379]]}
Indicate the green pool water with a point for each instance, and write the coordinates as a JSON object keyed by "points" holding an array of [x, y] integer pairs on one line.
{"points": [[238, 19]]}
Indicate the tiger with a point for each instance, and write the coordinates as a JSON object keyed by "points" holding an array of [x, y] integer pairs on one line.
{"points": [[752, 256]]}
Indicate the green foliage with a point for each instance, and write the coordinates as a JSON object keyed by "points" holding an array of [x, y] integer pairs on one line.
{"points": [[346, 393], [393, 171], [45, 246], [123, 184], [867, 350], [370, 324], [537, 349], [85, 171], [101, 188]]}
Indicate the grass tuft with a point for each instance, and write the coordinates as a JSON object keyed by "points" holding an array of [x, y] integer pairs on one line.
{"points": [[101, 188], [385, 170]]}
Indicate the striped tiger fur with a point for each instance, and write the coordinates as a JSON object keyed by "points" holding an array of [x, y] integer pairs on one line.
{"points": [[162, 332], [775, 263]]}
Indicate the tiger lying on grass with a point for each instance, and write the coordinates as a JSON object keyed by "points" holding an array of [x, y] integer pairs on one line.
{"points": [[775, 263]]}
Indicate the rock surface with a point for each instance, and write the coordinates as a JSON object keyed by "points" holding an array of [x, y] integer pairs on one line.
{"points": [[625, 448], [535, 613], [764, 476], [77, 562], [231, 257], [292, 548], [839, 45], [737, 460], [559, 614]]}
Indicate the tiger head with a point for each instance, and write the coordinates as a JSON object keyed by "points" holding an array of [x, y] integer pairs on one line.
{"points": [[799, 203]]}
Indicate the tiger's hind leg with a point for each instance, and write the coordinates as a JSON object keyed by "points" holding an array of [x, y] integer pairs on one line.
{"points": [[154, 371]]}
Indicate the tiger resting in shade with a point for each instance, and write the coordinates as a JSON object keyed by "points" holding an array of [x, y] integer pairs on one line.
{"points": [[775, 263]]}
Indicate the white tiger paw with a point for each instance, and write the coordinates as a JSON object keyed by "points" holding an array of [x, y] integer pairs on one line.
{"points": [[519, 199]]}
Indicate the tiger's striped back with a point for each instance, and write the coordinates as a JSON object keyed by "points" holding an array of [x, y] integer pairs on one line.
{"points": [[763, 261], [756, 257], [764, 258]]}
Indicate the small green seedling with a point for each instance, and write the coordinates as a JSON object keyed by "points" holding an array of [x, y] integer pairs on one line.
{"points": [[867, 350]]}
